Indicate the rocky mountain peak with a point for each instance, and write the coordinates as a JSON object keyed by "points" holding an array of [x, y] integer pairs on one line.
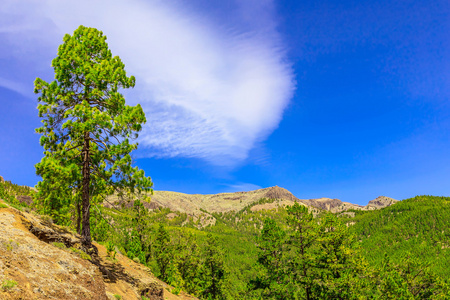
{"points": [[276, 192]]}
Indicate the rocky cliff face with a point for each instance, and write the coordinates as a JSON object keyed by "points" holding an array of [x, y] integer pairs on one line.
{"points": [[39, 260]]}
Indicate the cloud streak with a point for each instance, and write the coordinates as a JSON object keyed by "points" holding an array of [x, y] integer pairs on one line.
{"points": [[211, 87]]}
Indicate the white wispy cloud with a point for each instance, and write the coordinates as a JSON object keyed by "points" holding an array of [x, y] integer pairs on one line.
{"points": [[242, 187], [15, 86], [211, 87]]}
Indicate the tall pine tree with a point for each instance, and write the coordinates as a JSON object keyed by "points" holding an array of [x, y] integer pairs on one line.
{"points": [[87, 124], [302, 240]]}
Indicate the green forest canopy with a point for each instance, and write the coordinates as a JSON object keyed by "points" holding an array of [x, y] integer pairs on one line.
{"points": [[258, 254]]}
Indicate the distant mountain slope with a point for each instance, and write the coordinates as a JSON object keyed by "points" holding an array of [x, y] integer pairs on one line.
{"points": [[201, 207], [217, 203], [333, 205], [226, 202], [336, 205], [419, 225]]}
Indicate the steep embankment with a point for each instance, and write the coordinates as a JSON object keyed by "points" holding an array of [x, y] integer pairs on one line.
{"points": [[40, 260]]}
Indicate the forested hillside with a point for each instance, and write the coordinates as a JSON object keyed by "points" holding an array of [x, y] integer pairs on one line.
{"points": [[283, 252], [419, 226]]}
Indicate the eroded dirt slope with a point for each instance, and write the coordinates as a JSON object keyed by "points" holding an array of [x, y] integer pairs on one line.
{"points": [[29, 257]]}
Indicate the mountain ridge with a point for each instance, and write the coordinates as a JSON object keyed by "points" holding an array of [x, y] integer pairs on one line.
{"points": [[203, 206]]}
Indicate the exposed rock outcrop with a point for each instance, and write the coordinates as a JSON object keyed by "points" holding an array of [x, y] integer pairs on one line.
{"points": [[277, 192], [333, 205], [28, 200], [380, 202], [336, 205]]}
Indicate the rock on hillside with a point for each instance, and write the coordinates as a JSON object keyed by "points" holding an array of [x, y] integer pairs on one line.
{"points": [[336, 205], [280, 193], [380, 202], [44, 261], [333, 205]]}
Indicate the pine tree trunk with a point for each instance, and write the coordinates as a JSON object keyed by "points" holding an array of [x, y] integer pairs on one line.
{"points": [[86, 227], [78, 216]]}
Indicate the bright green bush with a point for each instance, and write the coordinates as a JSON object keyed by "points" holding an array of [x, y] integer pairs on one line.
{"points": [[8, 285]]}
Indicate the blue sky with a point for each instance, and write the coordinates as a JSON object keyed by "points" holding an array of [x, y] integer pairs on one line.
{"points": [[339, 99]]}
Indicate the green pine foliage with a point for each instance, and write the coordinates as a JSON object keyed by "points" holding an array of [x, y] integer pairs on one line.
{"points": [[419, 225], [312, 258], [164, 252], [271, 254], [213, 270], [11, 192], [86, 131], [9, 189], [408, 279]]}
